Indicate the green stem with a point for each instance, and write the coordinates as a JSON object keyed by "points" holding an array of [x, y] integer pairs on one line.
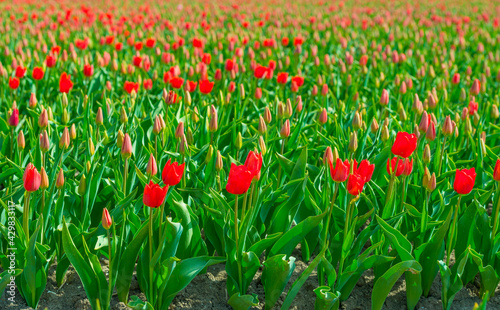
{"points": [[330, 214], [451, 235], [245, 200], [441, 157], [236, 233], [26, 216], [495, 216], [386, 212], [110, 285], [125, 173], [150, 254], [346, 231]]}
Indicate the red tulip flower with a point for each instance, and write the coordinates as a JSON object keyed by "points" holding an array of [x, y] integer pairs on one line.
{"points": [[38, 73], [408, 166], [206, 86], [154, 195], [20, 72], [298, 80], [496, 171], [473, 107], [404, 145], [88, 70], [176, 82], [14, 118], [341, 171], [148, 84], [106, 219], [239, 180], [260, 71], [282, 77], [130, 86], [229, 65], [172, 173], [13, 82], [50, 61], [150, 42], [137, 61], [355, 184], [254, 164], [391, 166], [191, 86], [464, 181], [65, 83], [31, 178], [364, 169], [81, 44]]}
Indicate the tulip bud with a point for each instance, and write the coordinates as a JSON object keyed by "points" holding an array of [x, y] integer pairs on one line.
{"points": [[123, 116], [427, 154], [431, 184], [262, 126], [262, 145], [44, 180], [494, 112], [21, 144], [285, 129], [126, 146], [82, 187], [72, 132], [119, 139], [239, 142], [33, 101], [328, 156], [281, 110], [323, 117], [99, 118], [374, 126], [426, 178], [424, 122], [64, 141], [385, 134], [353, 142], [213, 119], [356, 121], [44, 141], [91, 147], [463, 94], [60, 179], [218, 162], [210, 153], [188, 99], [43, 119], [189, 136], [151, 169], [242, 92], [267, 115], [447, 127], [384, 98], [179, 132], [106, 219], [430, 134]]}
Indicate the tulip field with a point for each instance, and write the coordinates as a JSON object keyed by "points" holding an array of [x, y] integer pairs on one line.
{"points": [[290, 154]]}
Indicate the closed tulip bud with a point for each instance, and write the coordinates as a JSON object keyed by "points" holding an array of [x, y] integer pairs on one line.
{"points": [[188, 98], [195, 115], [299, 104], [323, 117], [106, 219], [152, 168], [65, 116], [105, 138], [44, 141], [44, 181], [72, 132], [242, 92], [64, 141], [126, 146], [213, 125], [430, 134], [285, 129], [157, 126], [239, 141], [324, 90], [447, 127], [328, 156], [21, 144], [426, 178], [60, 179], [99, 120], [356, 121], [210, 154], [218, 162], [374, 125], [288, 109], [91, 147], [494, 112], [64, 100], [468, 126], [385, 134], [281, 110], [123, 116], [33, 101], [424, 122], [427, 154], [262, 125], [82, 187], [476, 118], [402, 114], [189, 136], [267, 115], [402, 88], [353, 142], [465, 114], [43, 119], [463, 94], [384, 98], [262, 145], [431, 101], [475, 88], [179, 132], [431, 184]]}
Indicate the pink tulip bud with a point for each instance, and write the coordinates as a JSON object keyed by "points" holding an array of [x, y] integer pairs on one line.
{"points": [[152, 168], [126, 146], [430, 135], [43, 119], [44, 141], [106, 219], [384, 98], [285, 129], [323, 117]]}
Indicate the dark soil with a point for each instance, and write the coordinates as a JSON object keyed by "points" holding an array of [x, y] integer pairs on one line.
{"points": [[208, 291]]}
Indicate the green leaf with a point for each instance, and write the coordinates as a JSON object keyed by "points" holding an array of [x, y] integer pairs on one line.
{"points": [[243, 302], [138, 304], [326, 299], [277, 271], [384, 284]]}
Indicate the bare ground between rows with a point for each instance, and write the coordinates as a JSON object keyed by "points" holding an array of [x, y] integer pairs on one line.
{"points": [[208, 291]]}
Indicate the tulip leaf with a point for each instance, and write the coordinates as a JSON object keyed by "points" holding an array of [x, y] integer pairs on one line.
{"points": [[326, 299], [277, 271], [243, 302]]}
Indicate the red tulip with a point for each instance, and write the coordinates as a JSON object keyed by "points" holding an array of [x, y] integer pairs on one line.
{"points": [[150, 42], [81, 44], [229, 65], [13, 82], [473, 107], [176, 82], [88, 70], [206, 86], [364, 169], [391, 166], [50, 61], [239, 180], [341, 171], [464, 181], [408, 166], [260, 71], [65, 83], [191, 86], [20, 71], [206, 58], [496, 171], [355, 184], [31, 178], [137, 61], [254, 164], [130, 86], [106, 219], [14, 118], [282, 77], [299, 81], [405, 144], [154, 194], [148, 84], [172, 173], [37, 73]]}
